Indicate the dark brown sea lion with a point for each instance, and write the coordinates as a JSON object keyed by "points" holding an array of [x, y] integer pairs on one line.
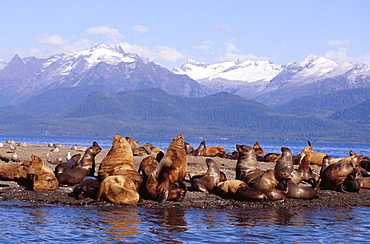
{"points": [[268, 182], [68, 165], [285, 162], [238, 190], [148, 165], [247, 166], [118, 189], [188, 149], [260, 154], [120, 161], [42, 177], [86, 167], [304, 174], [170, 169], [212, 177], [294, 190], [201, 150], [86, 188], [333, 176]]}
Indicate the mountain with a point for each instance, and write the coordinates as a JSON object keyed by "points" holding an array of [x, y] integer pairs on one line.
{"points": [[277, 84], [324, 105], [156, 113], [110, 67]]}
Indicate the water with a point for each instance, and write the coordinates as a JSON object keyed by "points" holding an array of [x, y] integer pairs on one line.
{"points": [[25, 222]]}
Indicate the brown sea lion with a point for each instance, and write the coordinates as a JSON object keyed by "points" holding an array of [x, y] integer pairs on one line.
{"points": [[333, 176], [212, 177], [85, 167], [285, 162], [118, 189], [247, 166], [147, 165], [304, 174], [212, 151], [170, 169], [294, 190], [272, 157], [42, 177], [238, 190], [86, 188], [268, 182], [133, 144], [11, 171], [260, 154], [68, 165], [120, 161], [188, 149], [201, 150]]}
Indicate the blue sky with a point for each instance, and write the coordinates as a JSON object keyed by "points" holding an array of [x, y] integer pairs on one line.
{"points": [[170, 32]]}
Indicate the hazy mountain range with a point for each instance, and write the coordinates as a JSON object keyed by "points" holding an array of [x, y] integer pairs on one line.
{"points": [[103, 91]]}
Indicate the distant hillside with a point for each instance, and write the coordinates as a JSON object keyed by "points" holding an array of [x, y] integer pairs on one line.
{"points": [[155, 113], [359, 114], [325, 104]]}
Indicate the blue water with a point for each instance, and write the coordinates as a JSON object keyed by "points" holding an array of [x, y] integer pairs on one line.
{"points": [[25, 222]]}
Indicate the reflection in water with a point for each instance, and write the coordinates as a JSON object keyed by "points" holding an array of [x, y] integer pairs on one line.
{"points": [[23, 222], [120, 223]]}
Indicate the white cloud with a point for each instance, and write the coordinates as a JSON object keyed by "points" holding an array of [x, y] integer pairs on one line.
{"points": [[207, 45], [141, 29], [229, 56], [111, 34], [158, 53], [341, 55], [230, 47], [222, 27], [53, 40], [337, 43]]}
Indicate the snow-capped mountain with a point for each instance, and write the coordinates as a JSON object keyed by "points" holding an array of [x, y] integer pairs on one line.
{"points": [[100, 65], [275, 84]]}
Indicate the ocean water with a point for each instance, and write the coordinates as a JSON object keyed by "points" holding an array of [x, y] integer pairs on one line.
{"points": [[25, 222]]}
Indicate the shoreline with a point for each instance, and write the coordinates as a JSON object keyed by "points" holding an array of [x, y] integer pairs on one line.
{"points": [[11, 190]]}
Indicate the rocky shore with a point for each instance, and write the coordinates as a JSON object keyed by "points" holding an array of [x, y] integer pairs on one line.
{"points": [[13, 190]]}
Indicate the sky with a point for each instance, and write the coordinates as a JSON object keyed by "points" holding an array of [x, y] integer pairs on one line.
{"points": [[171, 32]]}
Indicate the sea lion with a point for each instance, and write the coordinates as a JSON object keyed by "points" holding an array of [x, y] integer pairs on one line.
{"points": [[238, 190], [85, 167], [268, 182], [304, 174], [212, 177], [86, 188], [272, 157], [294, 190], [118, 189], [68, 165], [188, 149], [11, 171], [42, 177], [120, 161], [333, 176], [313, 157], [170, 169], [260, 154], [147, 165], [285, 162], [133, 144], [212, 151], [201, 150], [247, 166]]}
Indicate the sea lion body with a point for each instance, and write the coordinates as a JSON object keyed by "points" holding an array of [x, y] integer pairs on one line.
{"points": [[294, 190], [285, 162], [238, 190], [212, 151], [12, 171], [87, 188], [68, 165], [260, 154], [201, 150], [247, 166], [268, 182], [212, 177], [42, 177]]}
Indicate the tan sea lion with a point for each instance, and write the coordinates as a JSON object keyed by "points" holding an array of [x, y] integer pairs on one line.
{"points": [[238, 190], [201, 150], [260, 154], [212, 177], [11, 171], [42, 177], [313, 157], [120, 161], [272, 157], [118, 189], [68, 165], [268, 182], [212, 151], [170, 169], [247, 166], [85, 167]]}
